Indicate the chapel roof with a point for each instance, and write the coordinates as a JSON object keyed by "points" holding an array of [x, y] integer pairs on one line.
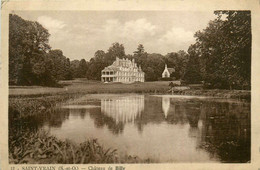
{"points": [[171, 70]]}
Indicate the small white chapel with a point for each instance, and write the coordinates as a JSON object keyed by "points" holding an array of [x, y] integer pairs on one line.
{"points": [[167, 72]]}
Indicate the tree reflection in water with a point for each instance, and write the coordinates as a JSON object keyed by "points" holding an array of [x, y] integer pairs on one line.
{"points": [[226, 131], [220, 128], [101, 120]]}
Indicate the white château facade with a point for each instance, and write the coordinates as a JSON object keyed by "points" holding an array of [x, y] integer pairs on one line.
{"points": [[122, 70]]}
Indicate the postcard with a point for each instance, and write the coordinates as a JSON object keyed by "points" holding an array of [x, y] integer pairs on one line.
{"points": [[118, 85]]}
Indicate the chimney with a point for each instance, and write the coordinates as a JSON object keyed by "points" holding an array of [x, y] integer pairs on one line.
{"points": [[117, 61]]}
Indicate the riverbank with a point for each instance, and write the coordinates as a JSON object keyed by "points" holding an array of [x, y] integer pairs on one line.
{"points": [[81, 87], [229, 94], [41, 148]]}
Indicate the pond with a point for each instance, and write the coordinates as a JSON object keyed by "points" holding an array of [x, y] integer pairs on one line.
{"points": [[163, 128]]}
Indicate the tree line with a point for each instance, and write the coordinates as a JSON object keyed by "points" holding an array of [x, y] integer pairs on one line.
{"points": [[220, 57]]}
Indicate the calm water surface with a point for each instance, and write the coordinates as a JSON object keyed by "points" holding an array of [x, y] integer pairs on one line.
{"points": [[163, 128]]}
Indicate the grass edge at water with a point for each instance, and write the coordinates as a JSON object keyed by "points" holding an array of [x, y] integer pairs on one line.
{"points": [[41, 148]]}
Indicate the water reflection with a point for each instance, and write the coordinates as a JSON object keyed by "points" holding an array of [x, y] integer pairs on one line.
{"points": [[101, 120], [166, 105], [123, 109], [162, 128], [226, 131]]}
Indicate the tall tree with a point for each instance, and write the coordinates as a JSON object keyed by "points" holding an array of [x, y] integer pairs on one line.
{"points": [[153, 66], [28, 44], [140, 50], [224, 49], [82, 70], [61, 70], [181, 65], [97, 64], [192, 71], [140, 57], [237, 29], [116, 50], [74, 65]]}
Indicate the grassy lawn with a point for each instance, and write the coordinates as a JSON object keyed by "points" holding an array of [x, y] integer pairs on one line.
{"points": [[84, 86]]}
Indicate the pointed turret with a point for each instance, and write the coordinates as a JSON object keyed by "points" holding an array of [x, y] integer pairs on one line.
{"points": [[139, 68], [117, 61]]}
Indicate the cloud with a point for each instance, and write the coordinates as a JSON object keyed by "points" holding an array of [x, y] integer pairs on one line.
{"points": [[51, 24], [138, 28], [92, 37], [133, 32], [175, 39], [81, 34], [177, 35], [133, 29]]}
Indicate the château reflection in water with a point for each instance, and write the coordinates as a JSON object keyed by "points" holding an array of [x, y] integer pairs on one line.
{"points": [[123, 109], [127, 109], [161, 128], [165, 105]]}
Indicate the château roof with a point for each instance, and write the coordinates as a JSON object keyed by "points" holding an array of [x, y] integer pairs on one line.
{"points": [[111, 68], [171, 70], [125, 62]]}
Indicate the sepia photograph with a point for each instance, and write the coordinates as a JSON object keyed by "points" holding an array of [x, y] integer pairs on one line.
{"points": [[129, 87]]}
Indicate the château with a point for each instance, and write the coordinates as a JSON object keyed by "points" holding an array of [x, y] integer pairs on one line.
{"points": [[122, 70]]}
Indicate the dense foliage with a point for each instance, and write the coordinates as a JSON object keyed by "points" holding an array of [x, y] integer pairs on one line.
{"points": [[31, 60], [220, 57], [223, 50], [28, 43]]}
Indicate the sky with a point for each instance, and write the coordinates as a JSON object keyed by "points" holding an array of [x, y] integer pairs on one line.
{"points": [[79, 34]]}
